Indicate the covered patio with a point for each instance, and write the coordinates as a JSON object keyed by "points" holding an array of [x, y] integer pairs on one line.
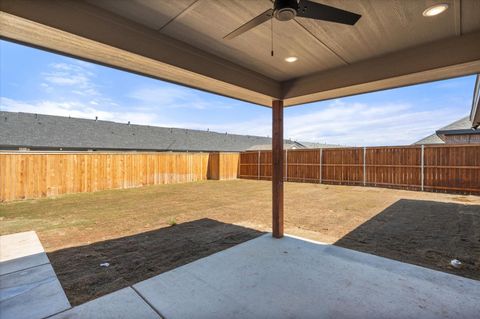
{"points": [[260, 278], [276, 64]]}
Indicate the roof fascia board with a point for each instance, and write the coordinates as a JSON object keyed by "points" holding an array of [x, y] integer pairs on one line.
{"points": [[447, 58], [78, 29], [458, 132], [475, 113]]}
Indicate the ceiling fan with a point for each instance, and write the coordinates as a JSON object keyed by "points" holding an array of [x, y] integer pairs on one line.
{"points": [[285, 10]]}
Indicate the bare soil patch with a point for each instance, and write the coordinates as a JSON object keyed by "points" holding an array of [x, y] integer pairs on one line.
{"points": [[425, 233], [131, 229], [138, 257]]}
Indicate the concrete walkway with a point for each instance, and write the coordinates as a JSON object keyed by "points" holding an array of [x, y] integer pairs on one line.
{"points": [[121, 304], [29, 287]]}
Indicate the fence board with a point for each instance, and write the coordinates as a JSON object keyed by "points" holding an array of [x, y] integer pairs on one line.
{"points": [[32, 175], [447, 168]]}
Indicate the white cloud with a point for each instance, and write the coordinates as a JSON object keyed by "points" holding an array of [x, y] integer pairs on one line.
{"points": [[75, 76], [75, 109], [363, 124], [61, 79], [72, 90], [352, 124]]}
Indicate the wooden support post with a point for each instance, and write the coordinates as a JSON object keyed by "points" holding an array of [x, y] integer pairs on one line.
{"points": [[277, 169]]}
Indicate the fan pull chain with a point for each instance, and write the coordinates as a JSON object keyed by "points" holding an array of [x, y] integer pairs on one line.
{"points": [[272, 33]]}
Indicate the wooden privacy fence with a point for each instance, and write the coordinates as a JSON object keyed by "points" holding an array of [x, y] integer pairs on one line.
{"points": [[223, 166], [445, 168], [34, 175]]}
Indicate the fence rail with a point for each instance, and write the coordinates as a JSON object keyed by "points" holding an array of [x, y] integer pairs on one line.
{"points": [[33, 175], [442, 168]]}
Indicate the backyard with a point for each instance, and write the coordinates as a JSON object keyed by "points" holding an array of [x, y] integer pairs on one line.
{"points": [[142, 232]]}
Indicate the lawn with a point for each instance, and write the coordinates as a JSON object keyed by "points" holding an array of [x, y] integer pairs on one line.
{"points": [[145, 231]]}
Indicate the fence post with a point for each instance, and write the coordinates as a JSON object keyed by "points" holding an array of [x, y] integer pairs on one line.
{"points": [[286, 165], [422, 170], [364, 166], [258, 166], [320, 175]]}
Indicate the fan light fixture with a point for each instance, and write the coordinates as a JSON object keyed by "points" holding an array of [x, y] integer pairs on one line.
{"points": [[435, 10], [291, 59]]}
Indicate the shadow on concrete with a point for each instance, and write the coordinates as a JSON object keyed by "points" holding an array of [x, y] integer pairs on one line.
{"points": [[424, 233], [141, 256]]}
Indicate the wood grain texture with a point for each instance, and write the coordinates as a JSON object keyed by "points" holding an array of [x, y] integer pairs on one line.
{"points": [[277, 160], [447, 168], [223, 166], [35, 175]]}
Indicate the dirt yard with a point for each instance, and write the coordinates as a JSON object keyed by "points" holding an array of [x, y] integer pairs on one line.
{"points": [[145, 231]]}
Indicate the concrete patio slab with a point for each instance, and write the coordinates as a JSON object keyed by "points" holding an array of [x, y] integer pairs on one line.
{"points": [[296, 278], [122, 304], [20, 251], [31, 293]]}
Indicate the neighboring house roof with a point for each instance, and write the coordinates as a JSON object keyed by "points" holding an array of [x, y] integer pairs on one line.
{"points": [[320, 145], [431, 139], [36, 131], [267, 147], [46, 131], [461, 126]]}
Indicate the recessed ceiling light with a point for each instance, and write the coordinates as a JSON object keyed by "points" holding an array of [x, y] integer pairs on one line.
{"points": [[291, 59], [435, 9]]}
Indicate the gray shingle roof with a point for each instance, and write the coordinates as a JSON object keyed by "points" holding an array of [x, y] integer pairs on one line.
{"points": [[431, 139], [463, 123], [320, 145], [46, 131]]}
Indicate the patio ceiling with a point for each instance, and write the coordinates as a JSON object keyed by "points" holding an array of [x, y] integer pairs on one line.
{"points": [[181, 41]]}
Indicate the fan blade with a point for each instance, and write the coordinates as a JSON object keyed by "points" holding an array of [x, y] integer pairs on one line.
{"points": [[313, 10], [267, 15]]}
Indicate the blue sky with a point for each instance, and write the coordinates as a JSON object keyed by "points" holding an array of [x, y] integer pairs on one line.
{"points": [[40, 82]]}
